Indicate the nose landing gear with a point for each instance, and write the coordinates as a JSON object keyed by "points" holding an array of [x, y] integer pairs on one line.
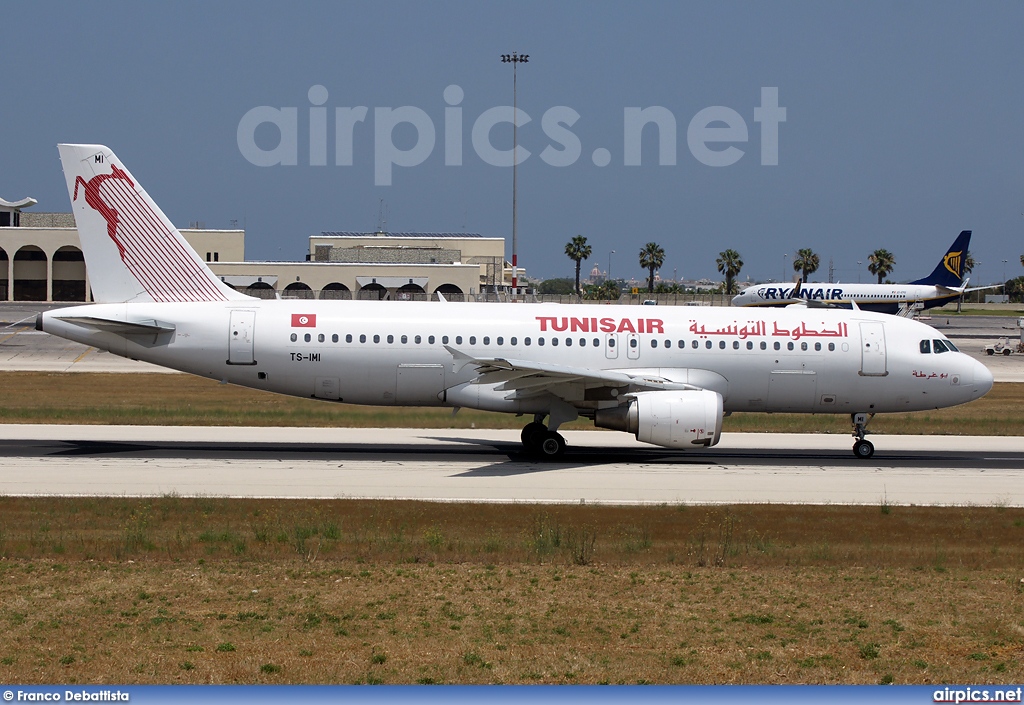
{"points": [[862, 448]]}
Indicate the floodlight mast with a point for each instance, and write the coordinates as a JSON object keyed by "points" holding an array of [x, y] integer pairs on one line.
{"points": [[515, 59]]}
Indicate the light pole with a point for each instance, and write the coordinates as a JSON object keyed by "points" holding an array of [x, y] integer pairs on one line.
{"points": [[785, 261], [1004, 271], [859, 263], [515, 59], [610, 264]]}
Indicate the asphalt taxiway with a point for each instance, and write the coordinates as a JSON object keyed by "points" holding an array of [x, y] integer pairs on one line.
{"points": [[489, 466]]}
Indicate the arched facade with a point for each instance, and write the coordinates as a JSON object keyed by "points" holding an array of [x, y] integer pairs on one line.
{"points": [[261, 290], [298, 290], [372, 292], [335, 290], [68, 274], [5, 274], [450, 293], [29, 274]]}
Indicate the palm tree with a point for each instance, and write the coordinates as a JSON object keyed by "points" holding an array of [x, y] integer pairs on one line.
{"points": [[651, 259], [577, 250], [729, 264], [806, 262], [968, 267], [881, 263], [970, 264]]}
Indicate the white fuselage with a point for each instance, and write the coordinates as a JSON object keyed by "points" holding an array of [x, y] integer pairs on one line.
{"points": [[398, 353], [871, 297]]}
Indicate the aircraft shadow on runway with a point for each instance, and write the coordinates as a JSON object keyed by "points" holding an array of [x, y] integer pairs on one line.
{"points": [[496, 458]]}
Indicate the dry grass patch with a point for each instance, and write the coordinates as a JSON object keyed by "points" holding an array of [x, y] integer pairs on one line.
{"points": [[279, 591]]}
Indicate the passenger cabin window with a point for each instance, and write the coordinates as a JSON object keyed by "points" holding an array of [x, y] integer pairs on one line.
{"points": [[348, 338], [391, 339], [376, 338], [296, 337], [444, 339], [526, 341], [831, 347], [654, 343], [320, 338], [472, 340], [362, 338], [417, 340], [334, 338], [458, 340], [926, 347], [540, 341], [514, 340], [405, 339], [306, 337], [430, 340]]}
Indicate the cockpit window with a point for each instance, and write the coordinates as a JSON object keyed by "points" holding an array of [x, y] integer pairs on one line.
{"points": [[926, 347], [939, 346], [950, 346]]}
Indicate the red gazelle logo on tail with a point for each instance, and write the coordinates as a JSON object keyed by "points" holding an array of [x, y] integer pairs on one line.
{"points": [[149, 246]]}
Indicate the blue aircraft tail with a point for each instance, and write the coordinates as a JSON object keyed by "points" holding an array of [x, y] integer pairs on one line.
{"points": [[949, 272]]}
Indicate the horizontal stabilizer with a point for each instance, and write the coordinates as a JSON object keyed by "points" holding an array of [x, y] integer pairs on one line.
{"points": [[108, 325]]}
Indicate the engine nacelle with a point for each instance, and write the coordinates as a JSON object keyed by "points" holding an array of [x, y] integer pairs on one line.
{"points": [[669, 419]]}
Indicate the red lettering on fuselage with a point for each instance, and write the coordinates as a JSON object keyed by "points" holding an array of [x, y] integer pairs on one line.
{"points": [[604, 325]]}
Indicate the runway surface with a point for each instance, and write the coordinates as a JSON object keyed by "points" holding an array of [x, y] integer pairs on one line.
{"points": [[488, 465]]}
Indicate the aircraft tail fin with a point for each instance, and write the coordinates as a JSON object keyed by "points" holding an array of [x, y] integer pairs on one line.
{"points": [[132, 251], [950, 270]]}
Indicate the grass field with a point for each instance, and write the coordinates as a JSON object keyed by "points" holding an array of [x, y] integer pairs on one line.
{"points": [[180, 400], [208, 590], [175, 590]]}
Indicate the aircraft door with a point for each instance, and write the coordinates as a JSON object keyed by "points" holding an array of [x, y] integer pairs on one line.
{"points": [[872, 349], [240, 338], [611, 346], [633, 346]]}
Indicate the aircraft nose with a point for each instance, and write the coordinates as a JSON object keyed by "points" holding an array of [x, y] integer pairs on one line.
{"points": [[983, 379]]}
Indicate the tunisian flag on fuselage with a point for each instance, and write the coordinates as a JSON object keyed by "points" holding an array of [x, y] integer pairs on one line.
{"points": [[303, 320]]}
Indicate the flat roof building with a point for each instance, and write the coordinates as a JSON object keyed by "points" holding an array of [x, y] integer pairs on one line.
{"points": [[41, 260]]}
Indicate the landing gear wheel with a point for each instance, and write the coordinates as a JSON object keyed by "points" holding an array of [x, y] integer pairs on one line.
{"points": [[863, 449], [531, 434], [550, 446]]}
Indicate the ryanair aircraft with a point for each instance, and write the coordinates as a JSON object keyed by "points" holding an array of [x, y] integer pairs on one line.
{"points": [[943, 285], [667, 377]]}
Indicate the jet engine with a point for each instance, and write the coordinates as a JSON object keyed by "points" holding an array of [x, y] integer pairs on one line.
{"points": [[671, 419]]}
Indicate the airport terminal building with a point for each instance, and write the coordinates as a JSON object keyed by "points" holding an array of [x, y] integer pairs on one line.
{"points": [[41, 260]]}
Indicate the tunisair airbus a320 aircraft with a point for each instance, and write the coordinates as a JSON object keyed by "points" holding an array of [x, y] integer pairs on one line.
{"points": [[666, 375]]}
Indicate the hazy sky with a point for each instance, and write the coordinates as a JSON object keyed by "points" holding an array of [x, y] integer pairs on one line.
{"points": [[903, 123]]}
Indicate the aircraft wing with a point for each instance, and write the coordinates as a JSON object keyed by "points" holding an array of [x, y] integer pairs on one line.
{"points": [[528, 378]]}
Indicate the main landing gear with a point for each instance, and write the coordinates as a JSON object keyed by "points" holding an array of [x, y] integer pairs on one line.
{"points": [[541, 442], [862, 448]]}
